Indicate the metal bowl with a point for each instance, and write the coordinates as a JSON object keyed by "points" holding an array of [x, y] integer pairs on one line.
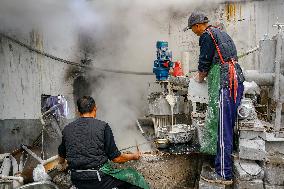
{"points": [[180, 137], [39, 185], [162, 143]]}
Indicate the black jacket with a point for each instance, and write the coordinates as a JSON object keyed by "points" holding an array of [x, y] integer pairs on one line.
{"points": [[87, 143]]}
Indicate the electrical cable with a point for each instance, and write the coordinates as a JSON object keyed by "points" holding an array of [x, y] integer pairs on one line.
{"points": [[71, 62], [248, 52]]}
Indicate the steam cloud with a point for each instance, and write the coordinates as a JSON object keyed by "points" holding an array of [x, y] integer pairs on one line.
{"points": [[115, 34]]}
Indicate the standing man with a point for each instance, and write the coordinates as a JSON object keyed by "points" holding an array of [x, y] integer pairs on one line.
{"points": [[218, 62], [87, 145]]}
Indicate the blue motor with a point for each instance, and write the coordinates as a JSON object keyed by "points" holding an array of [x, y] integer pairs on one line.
{"points": [[163, 63]]}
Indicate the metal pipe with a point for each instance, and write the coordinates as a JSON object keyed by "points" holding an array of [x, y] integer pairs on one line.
{"points": [[248, 52], [6, 166], [50, 159], [277, 123], [271, 79], [14, 165], [155, 125], [139, 126], [41, 184], [17, 180], [185, 62], [276, 95], [33, 154], [17, 170], [277, 67], [20, 179], [21, 164], [264, 79]]}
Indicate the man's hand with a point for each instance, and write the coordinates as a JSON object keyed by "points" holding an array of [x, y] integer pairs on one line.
{"points": [[196, 77], [199, 77], [136, 155], [61, 166], [124, 157]]}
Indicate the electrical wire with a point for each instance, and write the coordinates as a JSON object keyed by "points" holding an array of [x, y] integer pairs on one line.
{"points": [[71, 62], [41, 52], [248, 52], [91, 67]]}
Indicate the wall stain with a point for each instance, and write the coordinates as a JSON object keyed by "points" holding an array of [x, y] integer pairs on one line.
{"points": [[240, 7], [22, 86], [231, 11], [19, 59], [10, 47], [1, 47], [16, 130]]}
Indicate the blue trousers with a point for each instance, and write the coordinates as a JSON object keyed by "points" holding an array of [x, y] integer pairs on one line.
{"points": [[227, 117]]}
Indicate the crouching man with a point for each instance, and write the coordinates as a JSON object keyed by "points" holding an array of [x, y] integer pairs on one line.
{"points": [[87, 145]]}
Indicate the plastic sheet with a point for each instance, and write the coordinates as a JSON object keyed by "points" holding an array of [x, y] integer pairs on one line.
{"points": [[208, 142], [39, 174], [251, 88], [128, 175]]}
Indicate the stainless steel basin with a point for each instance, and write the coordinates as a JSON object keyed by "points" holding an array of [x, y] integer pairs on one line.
{"points": [[39, 185]]}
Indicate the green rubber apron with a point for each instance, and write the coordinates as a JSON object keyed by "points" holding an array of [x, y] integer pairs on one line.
{"points": [[209, 140], [128, 175]]}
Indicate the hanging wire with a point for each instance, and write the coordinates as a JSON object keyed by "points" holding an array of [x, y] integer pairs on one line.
{"points": [[248, 52], [71, 62], [91, 67]]}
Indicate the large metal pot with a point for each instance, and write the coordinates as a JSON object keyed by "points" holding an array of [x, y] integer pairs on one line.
{"points": [[162, 143], [181, 133], [39, 185]]}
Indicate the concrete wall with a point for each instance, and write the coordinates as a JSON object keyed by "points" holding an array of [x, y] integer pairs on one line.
{"points": [[18, 131], [24, 76], [246, 22]]}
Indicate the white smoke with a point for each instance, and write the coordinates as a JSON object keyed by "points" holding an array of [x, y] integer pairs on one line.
{"points": [[126, 41], [120, 35]]}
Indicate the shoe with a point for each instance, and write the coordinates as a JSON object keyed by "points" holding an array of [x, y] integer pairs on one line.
{"points": [[209, 175]]}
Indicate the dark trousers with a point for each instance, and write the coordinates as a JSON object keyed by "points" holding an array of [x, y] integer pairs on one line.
{"points": [[107, 182], [227, 117]]}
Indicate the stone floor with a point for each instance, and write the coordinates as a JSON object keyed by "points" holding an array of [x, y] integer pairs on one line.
{"points": [[161, 171]]}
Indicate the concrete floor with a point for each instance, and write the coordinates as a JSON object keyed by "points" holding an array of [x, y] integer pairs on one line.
{"points": [[160, 171]]}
